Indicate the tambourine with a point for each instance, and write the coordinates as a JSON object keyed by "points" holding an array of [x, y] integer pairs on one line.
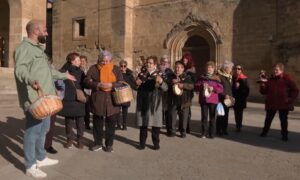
{"points": [[206, 92], [229, 102], [177, 90]]}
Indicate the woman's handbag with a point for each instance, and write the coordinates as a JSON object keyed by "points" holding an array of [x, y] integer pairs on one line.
{"points": [[220, 110], [80, 95]]}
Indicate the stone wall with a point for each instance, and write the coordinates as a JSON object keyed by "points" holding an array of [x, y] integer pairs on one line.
{"points": [[254, 33], [254, 27], [155, 19], [287, 44], [20, 12]]}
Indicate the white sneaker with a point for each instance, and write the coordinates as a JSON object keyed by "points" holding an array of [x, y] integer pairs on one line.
{"points": [[46, 162], [35, 172]]}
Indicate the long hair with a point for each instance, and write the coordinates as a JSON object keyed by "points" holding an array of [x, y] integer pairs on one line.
{"points": [[190, 63]]}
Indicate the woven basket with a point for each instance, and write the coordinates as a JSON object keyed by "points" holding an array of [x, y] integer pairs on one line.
{"points": [[123, 94], [45, 105]]}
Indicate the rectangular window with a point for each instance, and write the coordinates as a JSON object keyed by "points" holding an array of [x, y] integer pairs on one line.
{"points": [[79, 28]]}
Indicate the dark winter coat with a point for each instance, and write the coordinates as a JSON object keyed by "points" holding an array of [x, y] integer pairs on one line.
{"points": [[149, 102], [240, 93], [101, 102], [72, 107], [185, 99], [226, 81], [281, 92], [167, 75]]}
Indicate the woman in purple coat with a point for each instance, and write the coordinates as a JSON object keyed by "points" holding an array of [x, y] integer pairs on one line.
{"points": [[209, 86]]}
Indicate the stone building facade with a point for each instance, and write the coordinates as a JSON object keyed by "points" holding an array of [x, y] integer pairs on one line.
{"points": [[14, 15], [254, 33]]}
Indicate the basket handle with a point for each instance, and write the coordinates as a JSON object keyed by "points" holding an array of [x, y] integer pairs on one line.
{"points": [[124, 83], [40, 92]]}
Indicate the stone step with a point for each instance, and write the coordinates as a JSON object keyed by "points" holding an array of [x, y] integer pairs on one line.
{"points": [[7, 82]]}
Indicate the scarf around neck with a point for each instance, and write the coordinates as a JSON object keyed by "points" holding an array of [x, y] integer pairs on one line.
{"points": [[106, 74]]}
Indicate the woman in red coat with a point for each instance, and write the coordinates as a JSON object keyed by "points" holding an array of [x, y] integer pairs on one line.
{"points": [[281, 92]]}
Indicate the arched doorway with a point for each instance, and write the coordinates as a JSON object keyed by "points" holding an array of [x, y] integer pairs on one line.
{"points": [[4, 33], [199, 36], [199, 48]]}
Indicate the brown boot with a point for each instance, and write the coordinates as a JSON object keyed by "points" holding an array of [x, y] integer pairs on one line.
{"points": [[69, 144], [79, 145]]}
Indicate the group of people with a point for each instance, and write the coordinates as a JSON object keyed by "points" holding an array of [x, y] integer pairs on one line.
{"points": [[162, 96]]}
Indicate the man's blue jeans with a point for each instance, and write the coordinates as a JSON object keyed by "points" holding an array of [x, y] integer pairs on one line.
{"points": [[34, 139]]}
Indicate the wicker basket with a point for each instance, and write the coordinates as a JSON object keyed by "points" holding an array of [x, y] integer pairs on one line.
{"points": [[45, 105], [123, 94]]}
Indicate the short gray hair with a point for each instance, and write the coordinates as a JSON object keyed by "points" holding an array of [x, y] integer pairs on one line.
{"points": [[104, 54], [227, 64]]}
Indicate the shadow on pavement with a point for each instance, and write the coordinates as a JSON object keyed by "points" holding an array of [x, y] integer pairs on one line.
{"points": [[250, 136], [11, 140]]}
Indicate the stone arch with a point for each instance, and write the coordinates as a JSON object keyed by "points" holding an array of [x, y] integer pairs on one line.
{"points": [[193, 26]]}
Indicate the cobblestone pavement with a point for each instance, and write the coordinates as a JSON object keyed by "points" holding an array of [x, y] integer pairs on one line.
{"points": [[238, 156]]}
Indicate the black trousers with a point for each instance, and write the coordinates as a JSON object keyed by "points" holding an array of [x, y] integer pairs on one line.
{"points": [[69, 122], [144, 133], [123, 120], [222, 122], [189, 120], [87, 113], [283, 116], [98, 132], [208, 121], [183, 118], [166, 119], [238, 115], [49, 135]]}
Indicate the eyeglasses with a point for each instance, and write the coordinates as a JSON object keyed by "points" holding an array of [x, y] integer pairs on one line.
{"points": [[123, 66], [238, 68]]}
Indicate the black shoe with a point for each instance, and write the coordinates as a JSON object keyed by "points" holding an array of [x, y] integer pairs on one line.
{"points": [[96, 148], [51, 150], [124, 128], [118, 127], [210, 137], [156, 147], [87, 127], [108, 149], [171, 134], [284, 138], [263, 134], [238, 130], [141, 147], [183, 135]]}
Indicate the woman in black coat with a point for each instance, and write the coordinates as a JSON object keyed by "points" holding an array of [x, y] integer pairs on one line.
{"points": [[128, 78], [73, 110], [240, 91], [226, 80]]}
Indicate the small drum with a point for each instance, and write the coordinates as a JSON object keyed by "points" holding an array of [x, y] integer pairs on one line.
{"points": [[177, 90], [45, 106], [123, 94], [229, 102]]}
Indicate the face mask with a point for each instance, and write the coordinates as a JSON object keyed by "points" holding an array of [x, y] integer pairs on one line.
{"points": [[42, 39]]}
